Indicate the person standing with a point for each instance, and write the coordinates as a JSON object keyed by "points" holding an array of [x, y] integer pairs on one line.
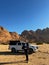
{"points": [[26, 49]]}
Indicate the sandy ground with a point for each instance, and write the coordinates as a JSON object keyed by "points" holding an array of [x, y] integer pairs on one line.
{"points": [[39, 58]]}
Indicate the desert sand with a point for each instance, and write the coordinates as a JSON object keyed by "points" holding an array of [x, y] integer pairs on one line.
{"points": [[41, 57]]}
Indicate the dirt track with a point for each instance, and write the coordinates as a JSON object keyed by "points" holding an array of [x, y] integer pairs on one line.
{"points": [[39, 58]]}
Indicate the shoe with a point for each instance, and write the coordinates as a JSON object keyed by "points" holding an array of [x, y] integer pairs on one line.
{"points": [[26, 61]]}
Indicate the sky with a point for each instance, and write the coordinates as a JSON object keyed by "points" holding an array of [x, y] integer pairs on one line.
{"points": [[20, 15]]}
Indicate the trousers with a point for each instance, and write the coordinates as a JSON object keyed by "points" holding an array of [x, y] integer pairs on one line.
{"points": [[26, 53]]}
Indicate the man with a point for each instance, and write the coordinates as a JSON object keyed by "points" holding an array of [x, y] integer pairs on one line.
{"points": [[26, 49]]}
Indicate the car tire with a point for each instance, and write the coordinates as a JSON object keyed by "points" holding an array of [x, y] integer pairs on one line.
{"points": [[13, 50], [30, 51]]}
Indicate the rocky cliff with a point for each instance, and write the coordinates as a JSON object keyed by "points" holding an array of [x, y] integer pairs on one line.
{"points": [[6, 36], [28, 36]]}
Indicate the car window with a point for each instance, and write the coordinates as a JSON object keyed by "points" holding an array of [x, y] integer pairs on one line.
{"points": [[12, 43], [23, 44], [19, 43]]}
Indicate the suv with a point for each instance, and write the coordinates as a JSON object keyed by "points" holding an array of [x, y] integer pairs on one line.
{"points": [[16, 46]]}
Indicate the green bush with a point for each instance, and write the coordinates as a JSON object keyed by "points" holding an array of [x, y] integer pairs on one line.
{"points": [[39, 43]]}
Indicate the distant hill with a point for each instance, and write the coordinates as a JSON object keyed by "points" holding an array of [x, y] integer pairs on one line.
{"points": [[28, 36], [36, 36], [14, 35], [6, 36]]}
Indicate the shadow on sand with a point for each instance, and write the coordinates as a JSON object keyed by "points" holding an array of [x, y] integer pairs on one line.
{"points": [[10, 53], [22, 61]]}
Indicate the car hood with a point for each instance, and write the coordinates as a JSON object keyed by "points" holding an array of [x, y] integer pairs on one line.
{"points": [[33, 45]]}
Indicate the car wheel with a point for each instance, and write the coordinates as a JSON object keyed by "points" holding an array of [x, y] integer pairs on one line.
{"points": [[30, 51], [13, 50]]}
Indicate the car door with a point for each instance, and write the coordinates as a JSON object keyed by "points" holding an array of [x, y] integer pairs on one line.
{"points": [[19, 46]]}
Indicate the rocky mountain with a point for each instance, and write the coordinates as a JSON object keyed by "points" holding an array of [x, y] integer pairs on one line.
{"points": [[36, 36], [14, 35], [28, 36], [6, 36]]}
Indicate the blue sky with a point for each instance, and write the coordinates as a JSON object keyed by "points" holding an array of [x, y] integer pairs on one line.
{"points": [[19, 15]]}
